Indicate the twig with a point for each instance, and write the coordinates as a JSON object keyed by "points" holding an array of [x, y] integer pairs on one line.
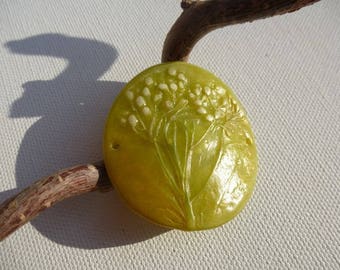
{"points": [[201, 17], [44, 193], [197, 19]]}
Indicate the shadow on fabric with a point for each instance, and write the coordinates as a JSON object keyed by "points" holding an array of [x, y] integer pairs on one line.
{"points": [[72, 108]]}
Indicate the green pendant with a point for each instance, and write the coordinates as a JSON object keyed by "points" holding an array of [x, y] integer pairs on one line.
{"points": [[179, 148]]}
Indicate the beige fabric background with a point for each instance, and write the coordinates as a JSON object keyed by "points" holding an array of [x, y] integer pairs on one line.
{"points": [[63, 62]]}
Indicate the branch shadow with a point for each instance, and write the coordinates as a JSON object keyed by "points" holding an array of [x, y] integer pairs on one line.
{"points": [[72, 108]]}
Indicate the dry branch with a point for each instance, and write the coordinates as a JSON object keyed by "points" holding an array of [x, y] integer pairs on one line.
{"points": [[44, 193], [201, 17], [197, 19]]}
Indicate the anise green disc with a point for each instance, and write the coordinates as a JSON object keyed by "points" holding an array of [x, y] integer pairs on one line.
{"points": [[179, 148]]}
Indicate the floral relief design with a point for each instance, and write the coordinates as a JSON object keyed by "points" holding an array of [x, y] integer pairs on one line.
{"points": [[191, 125]]}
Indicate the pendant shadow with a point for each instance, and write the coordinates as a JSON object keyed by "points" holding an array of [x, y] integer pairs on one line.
{"points": [[72, 108]]}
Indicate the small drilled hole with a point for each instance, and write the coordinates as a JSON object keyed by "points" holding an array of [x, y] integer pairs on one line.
{"points": [[115, 146]]}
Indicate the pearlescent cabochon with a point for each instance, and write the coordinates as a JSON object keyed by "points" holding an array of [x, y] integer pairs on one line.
{"points": [[179, 148]]}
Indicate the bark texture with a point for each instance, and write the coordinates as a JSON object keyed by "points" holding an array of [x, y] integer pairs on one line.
{"points": [[201, 17], [44, 193]]}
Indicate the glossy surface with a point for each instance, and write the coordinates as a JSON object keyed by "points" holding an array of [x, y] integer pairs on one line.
{"points": [[179, 148]]}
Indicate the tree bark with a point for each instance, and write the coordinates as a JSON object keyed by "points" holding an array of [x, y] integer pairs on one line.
{"points": [[197, 19], [44, 193], [201, 17]]}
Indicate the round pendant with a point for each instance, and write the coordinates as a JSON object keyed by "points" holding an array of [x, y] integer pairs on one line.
{"points": [[179, 148]]}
